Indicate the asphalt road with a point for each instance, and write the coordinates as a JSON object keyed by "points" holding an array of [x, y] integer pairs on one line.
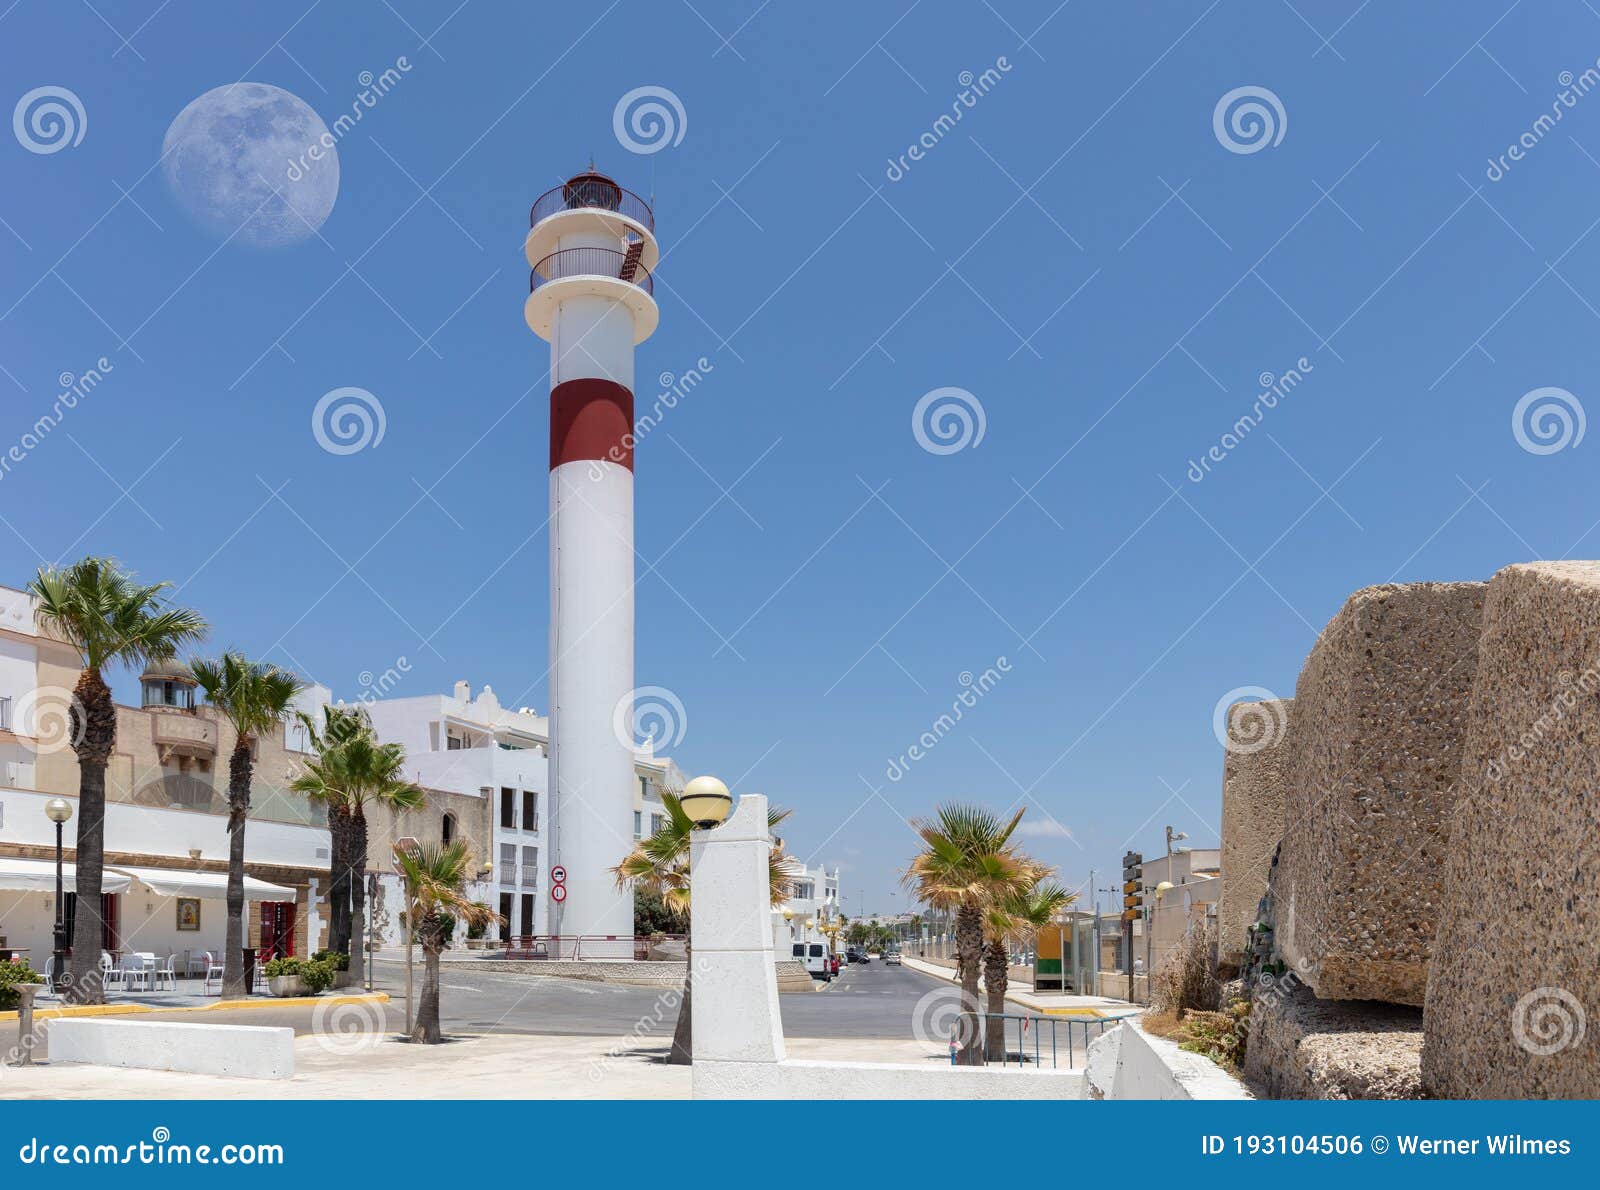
{"points": [[872, 1000]]}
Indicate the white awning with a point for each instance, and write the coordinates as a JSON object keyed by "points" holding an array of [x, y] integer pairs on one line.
{"points": [[171, 882], [37, 875]]}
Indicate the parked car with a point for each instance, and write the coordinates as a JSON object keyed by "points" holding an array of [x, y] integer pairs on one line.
{"points": [[815, 956], [859, 956], [893, 957]]}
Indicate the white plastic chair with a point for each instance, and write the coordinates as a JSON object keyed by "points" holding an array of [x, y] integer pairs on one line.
{"points": [[167, 973], [136, 971], [110, 973], [213, 971], [50, 975]]}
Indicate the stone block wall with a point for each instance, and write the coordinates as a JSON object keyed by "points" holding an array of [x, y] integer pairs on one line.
{"points": [[1380, 714], [1513, 997], [1254, 784]]}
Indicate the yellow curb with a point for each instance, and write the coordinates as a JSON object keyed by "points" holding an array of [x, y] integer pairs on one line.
{"points": [[220, 1005]]}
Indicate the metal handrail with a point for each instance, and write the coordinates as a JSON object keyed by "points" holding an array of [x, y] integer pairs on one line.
{"points": [[588, 262], [1024, 1025], [578, 196], [551, 946]]}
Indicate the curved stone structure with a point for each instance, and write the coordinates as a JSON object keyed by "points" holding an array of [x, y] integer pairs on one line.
{"points": [[1513, 997]]}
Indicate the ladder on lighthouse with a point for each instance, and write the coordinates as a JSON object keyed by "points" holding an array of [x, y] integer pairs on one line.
{"points": [[630, 261]]}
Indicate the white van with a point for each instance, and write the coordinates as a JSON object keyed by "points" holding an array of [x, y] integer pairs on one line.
{"points": [[815, 956]]}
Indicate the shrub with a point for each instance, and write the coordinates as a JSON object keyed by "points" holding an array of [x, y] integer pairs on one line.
{"points": [[317, 974], [477, 929], [277, 967], [11, 974], [1186, 980], [337, 959]]}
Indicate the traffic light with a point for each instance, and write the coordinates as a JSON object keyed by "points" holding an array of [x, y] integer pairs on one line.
{"points": [[1132, 882]]}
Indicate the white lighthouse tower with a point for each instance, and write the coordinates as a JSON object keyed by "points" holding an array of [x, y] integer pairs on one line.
{"points": [[592, 245]]}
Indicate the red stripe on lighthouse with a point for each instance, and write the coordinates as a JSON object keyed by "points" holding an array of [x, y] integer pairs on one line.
{"points": [[591, 419]]}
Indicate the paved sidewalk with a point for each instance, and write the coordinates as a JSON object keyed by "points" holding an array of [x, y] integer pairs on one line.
{"points": [[1044, 1003], [477, 1067]]}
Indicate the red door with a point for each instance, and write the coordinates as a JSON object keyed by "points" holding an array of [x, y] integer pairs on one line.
{"points": [[277, 930]]}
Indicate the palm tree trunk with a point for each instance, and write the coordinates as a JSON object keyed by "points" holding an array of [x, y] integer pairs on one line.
{"points": [[425, 1027], [94, 726], [995, 978], [969, 956], [239, 773], [683, 1032], [358, 895], [338, 880]]}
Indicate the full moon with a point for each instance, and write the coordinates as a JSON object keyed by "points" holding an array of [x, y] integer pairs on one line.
{"points": [[239, 161]]}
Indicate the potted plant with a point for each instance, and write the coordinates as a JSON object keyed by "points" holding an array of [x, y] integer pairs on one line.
{"points": [[284, 977], [12, 974], [476, 929], [340, 964]]}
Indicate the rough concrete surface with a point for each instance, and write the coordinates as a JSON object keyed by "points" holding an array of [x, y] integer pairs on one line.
{"points": [[1254, 782], [1380, 717], [1304, 1048], [1513, 998]]}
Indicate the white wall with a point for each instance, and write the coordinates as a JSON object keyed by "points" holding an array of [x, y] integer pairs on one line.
{"points": [[1128, 1063]]}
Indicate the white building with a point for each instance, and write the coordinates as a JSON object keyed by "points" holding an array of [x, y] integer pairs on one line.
{"points": [[471, 745], [813, 903]]}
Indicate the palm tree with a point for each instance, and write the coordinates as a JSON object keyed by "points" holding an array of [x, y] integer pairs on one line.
{"points": [[100, 609], [968, 865], [338, 724], [1017, 919], [352, 771], [436, 878], [256, 698], [660, 864]]}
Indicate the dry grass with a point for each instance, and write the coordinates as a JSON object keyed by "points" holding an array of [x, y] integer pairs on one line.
{"points": [[1187, 978], [1219, 1036]]}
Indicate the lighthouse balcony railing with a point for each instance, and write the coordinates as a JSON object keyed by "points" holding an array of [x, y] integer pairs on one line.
{"points": [[592, 196], [591, 262]]}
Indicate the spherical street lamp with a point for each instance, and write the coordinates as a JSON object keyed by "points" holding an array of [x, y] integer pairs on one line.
{"points": [[707, 802], [59, 810]]}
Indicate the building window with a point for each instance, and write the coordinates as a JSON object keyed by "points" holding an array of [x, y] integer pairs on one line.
{"points": [[447, 829], [530, 810], [507, 927], [657, 821], [159, 693], [508, 865], [508, 808], [527, 913], [638, 824], [5, 714], [530, 867]]}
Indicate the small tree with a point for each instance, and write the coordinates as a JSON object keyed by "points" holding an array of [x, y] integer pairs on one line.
{"points": [[436, 881]]}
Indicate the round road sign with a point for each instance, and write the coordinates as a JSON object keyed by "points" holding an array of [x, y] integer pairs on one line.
{"points": [[558, 874], [558, 893]]}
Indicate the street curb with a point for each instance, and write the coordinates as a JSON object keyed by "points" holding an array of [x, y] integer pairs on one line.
{"points": [[1023, 998], [91, 1010]]}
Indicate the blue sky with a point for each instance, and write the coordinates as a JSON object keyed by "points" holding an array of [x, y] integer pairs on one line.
{"points": [[1081, 253]]}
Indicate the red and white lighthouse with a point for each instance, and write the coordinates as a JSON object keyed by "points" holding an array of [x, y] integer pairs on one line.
{"points": [[592, 246]]}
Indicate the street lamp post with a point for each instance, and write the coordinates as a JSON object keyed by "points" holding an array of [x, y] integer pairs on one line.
{"points": [[59, 811]]}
